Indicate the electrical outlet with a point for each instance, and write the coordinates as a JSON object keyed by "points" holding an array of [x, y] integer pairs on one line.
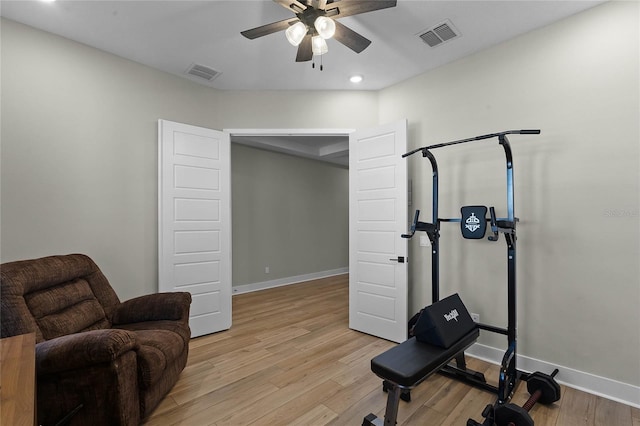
{"points": [[475, 317], [266, 269]]}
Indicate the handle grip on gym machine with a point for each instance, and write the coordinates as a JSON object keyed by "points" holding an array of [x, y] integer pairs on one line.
{"points": [[494, 225], [413, 226]]}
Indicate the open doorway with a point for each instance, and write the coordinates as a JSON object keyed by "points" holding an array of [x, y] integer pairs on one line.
{"points": [[196, 230], [290, 206]]}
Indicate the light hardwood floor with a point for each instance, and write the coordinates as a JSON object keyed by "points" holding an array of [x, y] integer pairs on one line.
{"points": [[290, 359]]}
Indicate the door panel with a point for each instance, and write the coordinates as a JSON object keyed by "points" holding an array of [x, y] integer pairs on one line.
{"points": [[195, 221], [377, 218]]}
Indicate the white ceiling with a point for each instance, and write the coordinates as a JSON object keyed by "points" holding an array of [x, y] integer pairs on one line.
{"points": [[173, 35]]}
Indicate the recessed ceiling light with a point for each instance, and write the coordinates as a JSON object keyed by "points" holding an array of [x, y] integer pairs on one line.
{"points": [[356, 78]]}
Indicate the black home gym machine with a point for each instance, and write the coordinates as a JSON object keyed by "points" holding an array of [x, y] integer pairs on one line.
{"points": [[437, 341]]}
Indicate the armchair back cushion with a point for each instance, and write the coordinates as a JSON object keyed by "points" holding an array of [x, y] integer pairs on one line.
{"points": [[56, 296]]}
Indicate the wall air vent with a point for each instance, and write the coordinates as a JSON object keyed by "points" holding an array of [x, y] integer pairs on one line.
{"points": [[440, 33], [202, 71]]}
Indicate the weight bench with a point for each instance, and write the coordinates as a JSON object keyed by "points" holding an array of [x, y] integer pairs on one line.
{"points": [[405, 366]]}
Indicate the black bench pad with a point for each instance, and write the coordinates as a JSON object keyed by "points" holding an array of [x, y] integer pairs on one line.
{"points": [[411, 362]]}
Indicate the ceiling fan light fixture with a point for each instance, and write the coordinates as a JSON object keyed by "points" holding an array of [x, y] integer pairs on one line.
{"points": [[319, 45], [326, 27], [295, 33]]}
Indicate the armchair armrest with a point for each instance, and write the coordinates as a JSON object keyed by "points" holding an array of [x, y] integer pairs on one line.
{"points": [[79, 350], [153, 307]]}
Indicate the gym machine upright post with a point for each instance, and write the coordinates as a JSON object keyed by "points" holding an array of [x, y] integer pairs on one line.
{"points": [[509, 375]]}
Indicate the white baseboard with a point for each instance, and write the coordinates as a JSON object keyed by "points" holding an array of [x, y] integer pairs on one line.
{"points": [[586, 382], [248, 288]]}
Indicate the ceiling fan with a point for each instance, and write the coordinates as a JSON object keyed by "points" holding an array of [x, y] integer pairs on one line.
{"points": [[315, 22]]}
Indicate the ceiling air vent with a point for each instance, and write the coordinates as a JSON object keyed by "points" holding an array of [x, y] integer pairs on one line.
{"points": [[202, 71], [439, 34]]}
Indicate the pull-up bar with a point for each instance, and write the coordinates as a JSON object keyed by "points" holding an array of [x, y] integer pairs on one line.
{"points": [[476, 138]]}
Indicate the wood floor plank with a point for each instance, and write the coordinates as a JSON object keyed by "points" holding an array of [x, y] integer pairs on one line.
{"points": [[373, 402], [578, 408], [208, 351], [271, 402], [608, 413], [290, 359], [635, 416], [367, 352], [319, 415], [217, 378], [347, 396], [299, 406], [353, 373], [470, 406], [235, 397], [298, 365]]}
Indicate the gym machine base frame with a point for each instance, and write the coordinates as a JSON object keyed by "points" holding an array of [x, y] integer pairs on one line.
{"points": [[543, 390], [509, 374]]}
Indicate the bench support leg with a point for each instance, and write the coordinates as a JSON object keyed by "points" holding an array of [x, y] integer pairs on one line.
{"points": [[393, 401], [372, 420], [391, 412]]}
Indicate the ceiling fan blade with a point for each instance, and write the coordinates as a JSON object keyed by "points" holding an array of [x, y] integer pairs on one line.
{"points": [[355, 7], [305, 51], [267, 29], [293, 5], [350, 38]]}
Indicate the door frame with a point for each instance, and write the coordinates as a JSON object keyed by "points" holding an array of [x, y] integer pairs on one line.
{"points": [[282, 148], [277, 147], [288, 132]]}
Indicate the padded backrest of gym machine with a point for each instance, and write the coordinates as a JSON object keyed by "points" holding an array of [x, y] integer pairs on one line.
{"points": [[473, 224], [444, 322]]}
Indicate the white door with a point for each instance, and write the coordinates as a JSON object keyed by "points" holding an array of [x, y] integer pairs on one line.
{"points": [[194, 220], [377, 218]]}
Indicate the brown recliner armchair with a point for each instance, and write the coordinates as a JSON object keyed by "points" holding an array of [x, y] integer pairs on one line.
{"points": [[108, 361]]}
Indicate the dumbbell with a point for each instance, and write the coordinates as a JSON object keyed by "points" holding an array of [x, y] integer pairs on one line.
{"points": [[542, 387]]}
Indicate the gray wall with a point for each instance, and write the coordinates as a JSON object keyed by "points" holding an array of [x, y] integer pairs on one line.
{"points": [[79, 148], [290, 214], [577, 185]]}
